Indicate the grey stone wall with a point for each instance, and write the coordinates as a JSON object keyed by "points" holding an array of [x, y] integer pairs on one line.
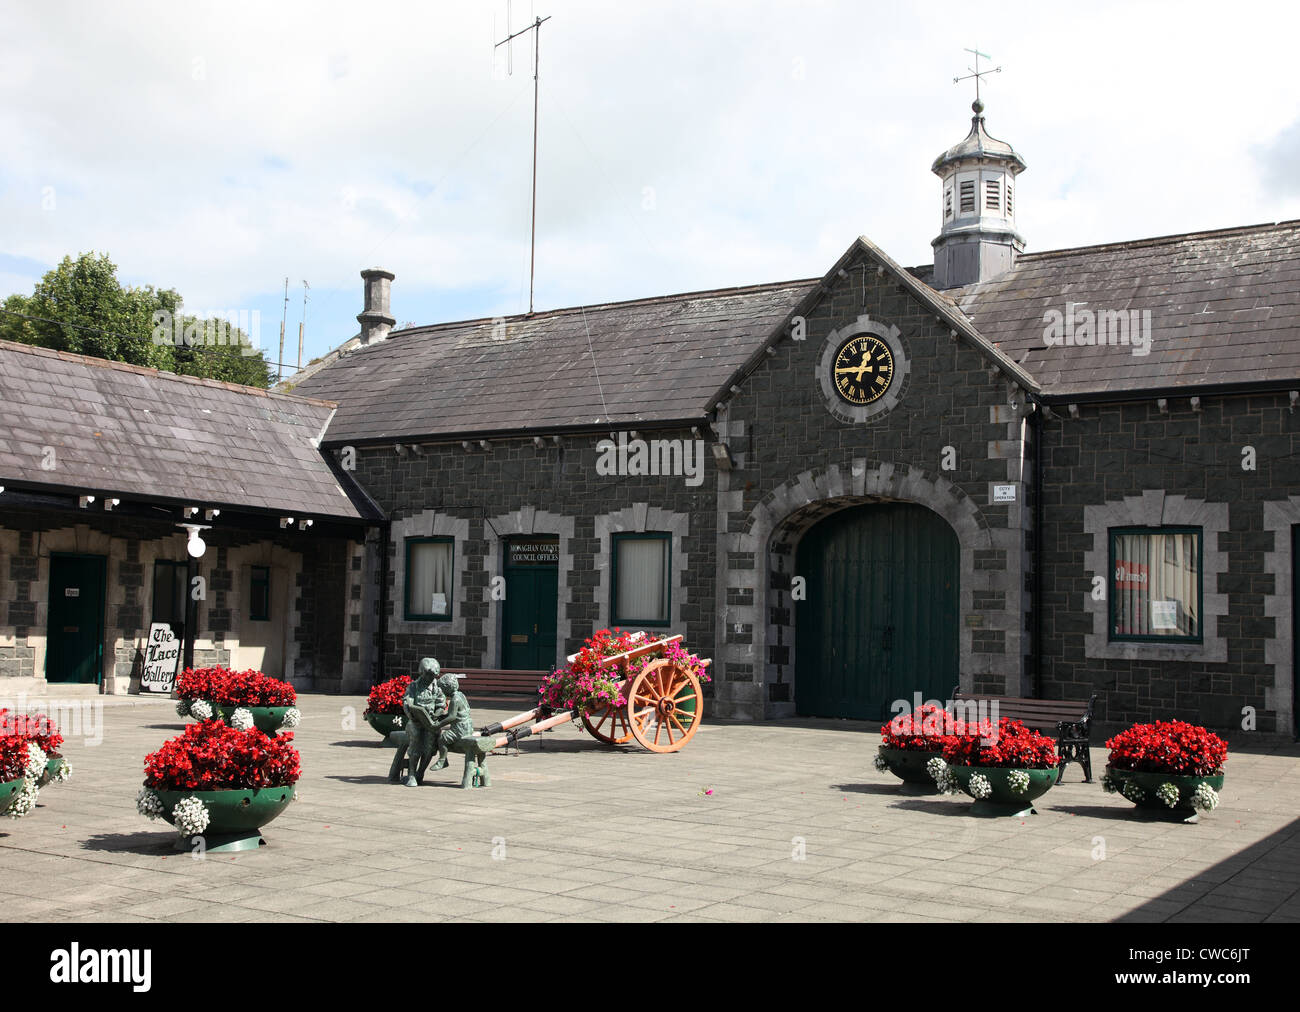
{"points": [[516, 486], [800, 456], [1138, 464]]}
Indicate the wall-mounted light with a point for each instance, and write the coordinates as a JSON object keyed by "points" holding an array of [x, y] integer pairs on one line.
{"points": [[1074, 410], [399, 449], [722, 456], [190, 511], [110, 503], [211, 514], [465, 445], [1196, 405], [539, 442], [285, 522], [1163, 405], [195, 546], [86, 500], [304, 524], [483, 444]]}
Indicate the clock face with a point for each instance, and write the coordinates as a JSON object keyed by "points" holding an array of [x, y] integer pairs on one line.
{"points": [[863, 369]]}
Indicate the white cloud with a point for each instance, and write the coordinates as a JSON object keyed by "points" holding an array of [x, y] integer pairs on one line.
{"points": [[218, 149]]}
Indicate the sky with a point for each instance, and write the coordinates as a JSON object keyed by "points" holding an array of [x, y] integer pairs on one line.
{"points": [[220, 148]]}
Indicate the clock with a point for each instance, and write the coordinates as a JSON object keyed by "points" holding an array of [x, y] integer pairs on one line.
{"points": [[862, 369]]}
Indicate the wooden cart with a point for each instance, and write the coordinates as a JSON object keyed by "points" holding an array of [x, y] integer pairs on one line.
{"points": [[665, 705]]}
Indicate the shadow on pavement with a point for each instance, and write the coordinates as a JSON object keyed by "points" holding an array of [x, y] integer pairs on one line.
{"points": [[133, 843]]}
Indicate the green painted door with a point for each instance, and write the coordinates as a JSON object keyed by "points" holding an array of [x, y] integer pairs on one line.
{"points": [[880, 618], [74, 648], [532, 569]]}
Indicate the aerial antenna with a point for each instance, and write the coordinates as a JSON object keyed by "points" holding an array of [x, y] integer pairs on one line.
{"points": [[976, 73], [284, 317], [536, 27], [303, 323]]}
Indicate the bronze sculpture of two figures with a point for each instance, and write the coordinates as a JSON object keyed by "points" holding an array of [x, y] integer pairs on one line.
{"points": [[437, 719]]}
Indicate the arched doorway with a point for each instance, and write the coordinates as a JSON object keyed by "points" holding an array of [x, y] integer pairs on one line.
{"points": [[879, 617]]}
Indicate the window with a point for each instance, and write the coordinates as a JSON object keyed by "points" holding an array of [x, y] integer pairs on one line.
{"points": [[259, 594], [1155, 585], [968, 197], [428, 578], [992, 195], [169, 595], [947, 203], [642, 579], [1009, 208]]}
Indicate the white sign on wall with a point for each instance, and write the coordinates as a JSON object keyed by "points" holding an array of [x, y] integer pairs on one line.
{"points": [[162, 654], [1004, 493]]}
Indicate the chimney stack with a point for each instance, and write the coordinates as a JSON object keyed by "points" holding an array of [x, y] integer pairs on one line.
{"points": [[376, 319]]}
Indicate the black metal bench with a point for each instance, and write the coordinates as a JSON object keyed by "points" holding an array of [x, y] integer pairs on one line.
{"points": [[1070, 721]]}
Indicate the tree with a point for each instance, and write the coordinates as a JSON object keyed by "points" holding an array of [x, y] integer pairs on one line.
{"points": [[81, 307]]}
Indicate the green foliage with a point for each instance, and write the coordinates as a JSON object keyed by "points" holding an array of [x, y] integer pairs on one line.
{"points": [[97, 316]]}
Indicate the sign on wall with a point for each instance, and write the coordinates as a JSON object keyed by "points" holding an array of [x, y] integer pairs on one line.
{"points": [[162, 654]]}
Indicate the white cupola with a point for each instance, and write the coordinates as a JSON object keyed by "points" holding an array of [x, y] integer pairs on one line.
{"points": [[978, 240]]}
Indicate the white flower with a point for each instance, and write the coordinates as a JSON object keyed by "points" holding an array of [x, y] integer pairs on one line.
{"points": [[1133, 792], [64, 772], [182, 707], [1018, 781], [1205, 797], [26, 799], [148, 804], [397, 722], [1110, 783], [241, 719], [1167, 793], [979, 786], [881, 764], [201, 709], [292, 717], [35, 760], [190, 816], [943, 777]]}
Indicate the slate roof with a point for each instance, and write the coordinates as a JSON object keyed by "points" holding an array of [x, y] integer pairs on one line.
{"points": [[1225, 310], [128, 431], [642, 362]]}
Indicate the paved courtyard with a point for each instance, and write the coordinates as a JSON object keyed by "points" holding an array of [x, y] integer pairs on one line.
{"points": [[798, 826]]}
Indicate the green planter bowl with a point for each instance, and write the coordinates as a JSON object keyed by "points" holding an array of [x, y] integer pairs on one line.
{"points": [[384, 723], [9, 794], [265, 718], [1004, 800], [234, 815], [909, 765], [1148, 782], [52, 766]]}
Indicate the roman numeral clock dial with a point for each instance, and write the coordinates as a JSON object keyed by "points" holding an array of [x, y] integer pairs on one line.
{"points": [[863, 369]]}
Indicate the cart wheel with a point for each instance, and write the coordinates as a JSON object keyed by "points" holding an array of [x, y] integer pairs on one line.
{"points": [[665, 705], [609, 725]]}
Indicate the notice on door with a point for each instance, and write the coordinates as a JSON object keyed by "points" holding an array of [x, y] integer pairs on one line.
{"points": [[161, 656]]}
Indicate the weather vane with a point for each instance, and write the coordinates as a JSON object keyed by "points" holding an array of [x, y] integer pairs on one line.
{"points": [[976, 73]]}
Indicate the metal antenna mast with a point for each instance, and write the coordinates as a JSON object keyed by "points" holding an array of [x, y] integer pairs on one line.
{"points": [[976, 73], [536, 26], [284, 318], [303, 323]]}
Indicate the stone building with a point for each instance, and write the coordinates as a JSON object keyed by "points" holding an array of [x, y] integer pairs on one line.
{"points": [[1054, 474], [103, 466], [1058, 474]]}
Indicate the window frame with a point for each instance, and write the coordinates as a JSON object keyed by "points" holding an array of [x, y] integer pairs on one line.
{"points": [[618, 538], [411, 616], [1112, 596]]}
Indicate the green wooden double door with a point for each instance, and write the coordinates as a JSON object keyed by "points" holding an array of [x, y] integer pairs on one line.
{"points": [[880, 617]]}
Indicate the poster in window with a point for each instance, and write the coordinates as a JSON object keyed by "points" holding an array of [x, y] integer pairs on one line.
{"points": [[1164, 614], [439, 606]]}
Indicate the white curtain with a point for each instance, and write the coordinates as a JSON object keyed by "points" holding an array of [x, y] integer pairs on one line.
{"points": [[642, 580], [1155, 584], [430, 575]]}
